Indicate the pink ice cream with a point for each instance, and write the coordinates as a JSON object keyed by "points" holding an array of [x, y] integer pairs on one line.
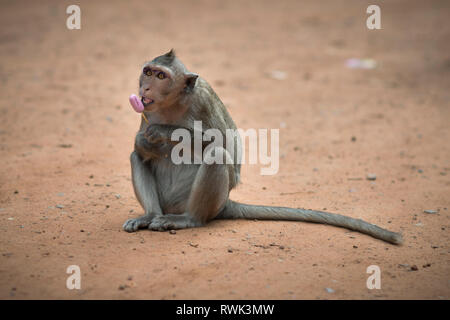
{"points": [[136, 103]]}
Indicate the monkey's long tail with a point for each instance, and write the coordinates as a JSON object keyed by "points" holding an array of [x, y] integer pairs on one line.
{"points": [[236, 210]]}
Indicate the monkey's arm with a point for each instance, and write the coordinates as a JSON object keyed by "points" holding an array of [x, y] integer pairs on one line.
{"points": [[146, 149], [156, 141], [161, 134]]}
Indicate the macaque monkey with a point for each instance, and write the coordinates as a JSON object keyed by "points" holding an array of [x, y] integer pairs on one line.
{"points": [[178, 196]]}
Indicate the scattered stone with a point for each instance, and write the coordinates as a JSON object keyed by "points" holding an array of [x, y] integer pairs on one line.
{"points": [[430, 211], [355, 247], [91, 176], [123, 287], [426, 265], [11, 219], [414, 268], [434, 246], [16, 191], [353, 139], [59, 206], [278, 75], [356, 63], [60, 194], [329, 290], [65, 145], [195, 245], [117, 196], [130, 278], [371, 176], [172, 232], [230, 250]]}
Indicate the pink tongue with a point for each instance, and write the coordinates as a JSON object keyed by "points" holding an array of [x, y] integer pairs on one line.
{"points": [[136, 103]]}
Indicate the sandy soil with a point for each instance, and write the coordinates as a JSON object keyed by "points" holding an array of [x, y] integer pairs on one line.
{"points": [[67, 130]]}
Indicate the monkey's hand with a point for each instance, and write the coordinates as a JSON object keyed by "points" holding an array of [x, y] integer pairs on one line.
{"points": [[145, 149], [159, 133]]}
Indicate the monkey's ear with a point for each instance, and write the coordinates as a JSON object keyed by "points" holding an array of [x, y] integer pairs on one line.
{"points": [[190, 80], [170, 54]]}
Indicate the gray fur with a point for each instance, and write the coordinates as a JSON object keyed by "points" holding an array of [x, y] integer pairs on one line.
{"points": [[185, 196]]}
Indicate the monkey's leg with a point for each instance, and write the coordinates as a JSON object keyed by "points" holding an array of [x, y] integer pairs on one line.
{"points": [[208, 195], [144, 186]]}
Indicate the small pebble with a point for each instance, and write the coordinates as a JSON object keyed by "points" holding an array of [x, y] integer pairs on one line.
{"points": [[430, 211], [59, 206], [371, 176], [172, 232], [414, 268], [278, 75], [329, 290]]}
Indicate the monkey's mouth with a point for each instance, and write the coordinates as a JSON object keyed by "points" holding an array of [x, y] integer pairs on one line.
{"points": [[147, 101]]}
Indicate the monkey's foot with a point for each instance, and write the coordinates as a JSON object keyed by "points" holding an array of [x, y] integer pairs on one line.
{"points": [[132, 225], [173, 222]]}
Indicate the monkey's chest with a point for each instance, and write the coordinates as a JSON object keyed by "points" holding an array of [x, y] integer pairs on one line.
{"points": [[174, 184]]}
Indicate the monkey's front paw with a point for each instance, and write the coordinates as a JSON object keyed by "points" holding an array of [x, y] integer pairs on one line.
{"points": [[154, 134], [161, 224], [132, 225]]}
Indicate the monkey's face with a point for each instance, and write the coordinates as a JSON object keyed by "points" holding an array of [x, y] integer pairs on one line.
{"points": [[157, 86], [164, 81]]}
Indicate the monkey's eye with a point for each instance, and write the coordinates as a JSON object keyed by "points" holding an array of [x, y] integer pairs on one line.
{"points": [[161, 75], [147, 71]]}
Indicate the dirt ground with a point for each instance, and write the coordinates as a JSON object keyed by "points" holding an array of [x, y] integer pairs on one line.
{"points": [[66, 132]]}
